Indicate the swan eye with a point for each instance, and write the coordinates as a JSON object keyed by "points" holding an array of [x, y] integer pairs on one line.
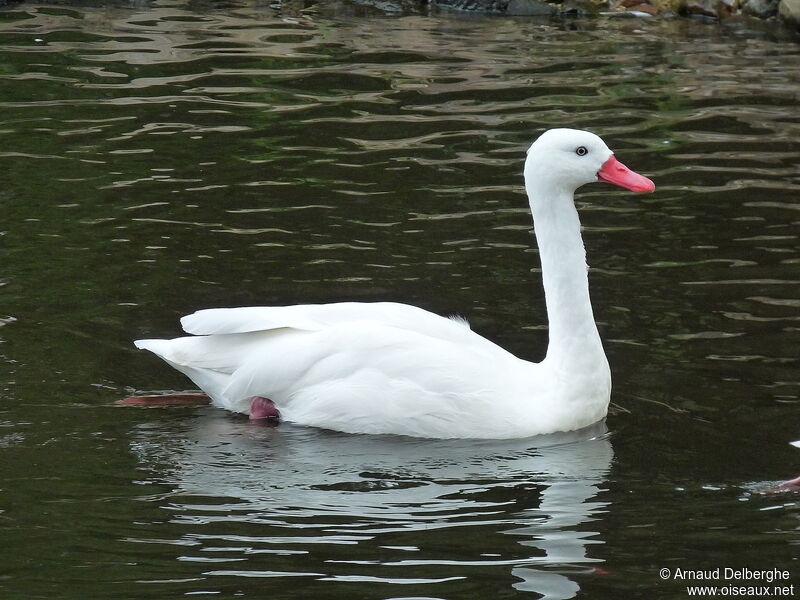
{"points": [[581, 151]]}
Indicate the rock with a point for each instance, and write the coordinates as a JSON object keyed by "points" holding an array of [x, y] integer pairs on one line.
{"points": [[583, 7], [725, 8], [763, 9], [706, 9], [527, 8], [634, 8], [532, 8], [384, 6], [789, 10], [643, 8], [485, 6]]}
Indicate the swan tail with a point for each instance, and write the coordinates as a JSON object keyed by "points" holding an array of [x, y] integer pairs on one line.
{"points": [[205, 369], [157, 347]]}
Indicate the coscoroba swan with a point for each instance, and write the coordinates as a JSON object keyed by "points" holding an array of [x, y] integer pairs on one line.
{"points": [[393, 368]]}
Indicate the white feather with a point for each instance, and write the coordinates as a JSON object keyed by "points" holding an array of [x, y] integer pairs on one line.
{"points": [[386, 367]]}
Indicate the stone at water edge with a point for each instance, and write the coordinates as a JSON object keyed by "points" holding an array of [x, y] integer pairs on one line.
{"points": [[530, 8], [789, 11], [711, 9], [763, 9]]}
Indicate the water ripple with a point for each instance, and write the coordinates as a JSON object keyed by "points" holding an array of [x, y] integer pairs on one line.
{"points": [[162, 158]]}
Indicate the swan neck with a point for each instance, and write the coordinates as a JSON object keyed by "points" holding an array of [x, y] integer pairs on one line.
{"points": [[573, 335]]}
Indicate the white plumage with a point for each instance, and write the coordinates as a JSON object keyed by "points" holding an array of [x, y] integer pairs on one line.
{"points": [[393, 368]]}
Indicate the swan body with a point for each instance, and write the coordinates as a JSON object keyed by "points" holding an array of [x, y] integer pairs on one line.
{"points": [[386, 367]]}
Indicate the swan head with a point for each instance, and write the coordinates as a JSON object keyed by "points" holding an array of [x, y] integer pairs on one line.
{"points": [[570, 158]]}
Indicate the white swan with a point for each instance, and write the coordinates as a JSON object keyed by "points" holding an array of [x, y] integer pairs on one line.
{"points": [[393, 368]]}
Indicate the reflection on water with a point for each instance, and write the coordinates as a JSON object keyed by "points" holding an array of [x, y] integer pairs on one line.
{"points": [[163, 157], [299, 491]]}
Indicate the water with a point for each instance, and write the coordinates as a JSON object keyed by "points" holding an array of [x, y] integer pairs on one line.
{"points": [[161, 158]]}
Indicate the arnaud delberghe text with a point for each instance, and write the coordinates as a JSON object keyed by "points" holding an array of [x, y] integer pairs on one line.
{"points": [[731, 574]]}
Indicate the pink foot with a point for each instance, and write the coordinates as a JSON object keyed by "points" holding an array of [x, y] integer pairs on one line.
{"points": [[190, 399], [792, 485], [263, 408]]}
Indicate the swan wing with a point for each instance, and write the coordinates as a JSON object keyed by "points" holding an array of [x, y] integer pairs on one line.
{"points": [[367, 378], [316, 317]]}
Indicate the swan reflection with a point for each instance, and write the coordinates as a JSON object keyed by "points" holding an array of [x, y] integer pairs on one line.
{"points": [[340, 507]]}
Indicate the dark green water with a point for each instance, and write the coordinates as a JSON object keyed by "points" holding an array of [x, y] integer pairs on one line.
{"points": [[160, 159]]}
